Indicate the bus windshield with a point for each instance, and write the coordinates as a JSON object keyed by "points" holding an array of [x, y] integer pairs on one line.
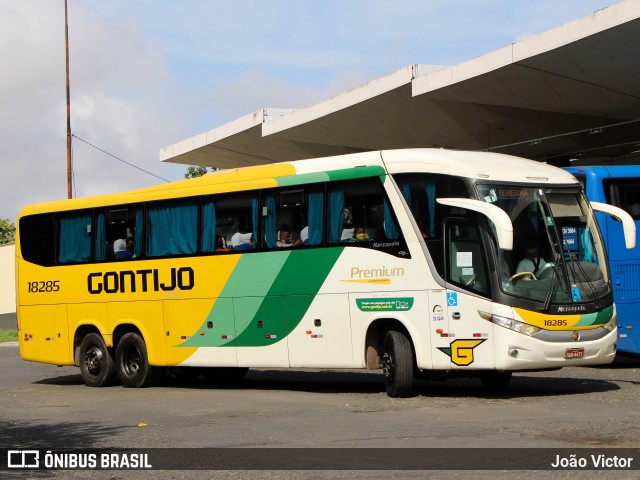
{"points": [[557, 255]]}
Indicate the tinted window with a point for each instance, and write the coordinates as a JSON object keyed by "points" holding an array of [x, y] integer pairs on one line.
{"points": [[420, 191], [36, 235], [230, 222], [74, 237], [624, 193], [358, 211], [172, 228], [119, 233], [466, 265], [293, 217]]}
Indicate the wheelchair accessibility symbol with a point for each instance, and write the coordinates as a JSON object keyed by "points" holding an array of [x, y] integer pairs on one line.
{"points": [[452, 299]]}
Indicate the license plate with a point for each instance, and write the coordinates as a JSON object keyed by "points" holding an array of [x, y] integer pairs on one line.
{"points": [[574, 353]]}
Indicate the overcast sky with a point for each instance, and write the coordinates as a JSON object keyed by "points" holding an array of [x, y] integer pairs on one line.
{"points": [[148, 73]]}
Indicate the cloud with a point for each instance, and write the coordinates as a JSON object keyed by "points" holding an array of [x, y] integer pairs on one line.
{"points": [[119, 81], [124, 100]]}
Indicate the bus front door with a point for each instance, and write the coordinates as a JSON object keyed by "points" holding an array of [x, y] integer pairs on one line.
{"points": [[467, 272]]}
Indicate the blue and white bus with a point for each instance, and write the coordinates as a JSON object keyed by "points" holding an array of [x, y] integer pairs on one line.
{"points": [[619, 186]]}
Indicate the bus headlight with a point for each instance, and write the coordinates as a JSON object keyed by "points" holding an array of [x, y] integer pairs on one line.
{"points": [[510, 323], [611, 324]]}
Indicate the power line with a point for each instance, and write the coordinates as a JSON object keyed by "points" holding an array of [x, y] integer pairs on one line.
{"points": [[119, 159]]}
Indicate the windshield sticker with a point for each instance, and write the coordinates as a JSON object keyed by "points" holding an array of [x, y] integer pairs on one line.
{"points": [[570, 238], [464, 259], [384, 304], [461, 351], [492, 197]]}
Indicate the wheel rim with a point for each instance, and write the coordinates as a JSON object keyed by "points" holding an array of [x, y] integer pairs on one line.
{"points": [[388, 366], [132, 361], [93, 360]]}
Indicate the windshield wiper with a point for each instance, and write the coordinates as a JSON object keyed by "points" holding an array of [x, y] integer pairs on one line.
{"points": [[581, 276], [555, 283]]}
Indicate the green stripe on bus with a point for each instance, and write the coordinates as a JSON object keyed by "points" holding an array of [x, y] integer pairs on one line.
{"points": [[288, 299], [303, 179], [336, 175], [597, 318], [252, 277], [265, 298], [357, 172]]}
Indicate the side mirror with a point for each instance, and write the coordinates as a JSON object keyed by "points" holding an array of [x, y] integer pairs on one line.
{"points": [[628, 225], [499, 218]]}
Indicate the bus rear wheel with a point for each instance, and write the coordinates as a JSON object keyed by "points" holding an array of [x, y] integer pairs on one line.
{"points": [[96, 362], [132, 362], [397, 364]]}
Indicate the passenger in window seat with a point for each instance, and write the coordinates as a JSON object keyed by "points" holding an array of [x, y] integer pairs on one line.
{"points": [[120, 250], [360, 235], [285, 238]]}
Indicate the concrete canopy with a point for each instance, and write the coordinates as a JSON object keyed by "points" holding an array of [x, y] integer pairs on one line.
{"points": [[570, 92]]}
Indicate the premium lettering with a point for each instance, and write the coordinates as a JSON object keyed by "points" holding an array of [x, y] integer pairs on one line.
{"points": [[141, 281], [376, 272]]}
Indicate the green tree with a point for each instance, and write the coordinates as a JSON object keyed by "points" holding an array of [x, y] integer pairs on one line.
{"points": [[195, 171], [7, 231]]}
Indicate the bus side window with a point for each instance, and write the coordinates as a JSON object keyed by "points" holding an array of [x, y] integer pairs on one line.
{"points": [[36, 235], [118, 223], [234, 219], [74, 237], [466, 263], [172, 228], [298, 211], [624, 193], [352, 205], [420, 191]]}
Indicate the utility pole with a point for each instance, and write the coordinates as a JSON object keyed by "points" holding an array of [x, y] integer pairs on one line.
{"points": [[69, 163]]}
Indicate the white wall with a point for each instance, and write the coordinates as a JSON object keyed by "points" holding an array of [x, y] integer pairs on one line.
{"points": [[7, 278]]}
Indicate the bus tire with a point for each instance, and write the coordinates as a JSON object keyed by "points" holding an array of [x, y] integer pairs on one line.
{"points": [[397, 364], [96, 361], [132, 362], [223, 374], [496, 380]]}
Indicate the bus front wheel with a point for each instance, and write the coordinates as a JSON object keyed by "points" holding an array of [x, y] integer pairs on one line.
{"points": [[96, 362], [397, 364], [132, 362]]}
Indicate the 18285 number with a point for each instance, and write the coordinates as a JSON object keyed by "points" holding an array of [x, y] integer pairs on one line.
{"points": [[555, 323], [44, 286]]}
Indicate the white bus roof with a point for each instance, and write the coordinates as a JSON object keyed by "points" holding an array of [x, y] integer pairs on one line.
{"points": [[473, 165]]}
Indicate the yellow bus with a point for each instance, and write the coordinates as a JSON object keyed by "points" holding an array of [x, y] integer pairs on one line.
{"points": [[416, 262]]}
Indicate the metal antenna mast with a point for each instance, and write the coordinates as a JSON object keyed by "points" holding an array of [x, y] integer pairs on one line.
{"points": [[69, 162]]}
